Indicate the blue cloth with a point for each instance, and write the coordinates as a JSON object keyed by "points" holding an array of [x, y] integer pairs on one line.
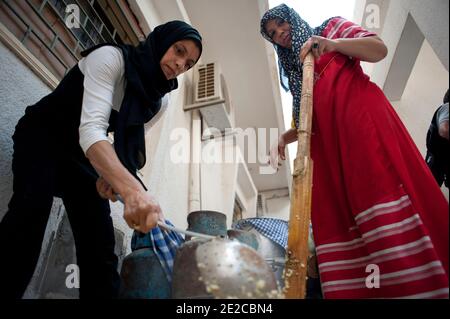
{"points": [[164, 244], [272, 228]]}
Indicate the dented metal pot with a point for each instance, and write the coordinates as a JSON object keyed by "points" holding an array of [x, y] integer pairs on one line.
{"points": [[221, 268]]}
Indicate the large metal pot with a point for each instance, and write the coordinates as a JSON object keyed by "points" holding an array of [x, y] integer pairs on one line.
{"points": [[273, 253], [221, 268]]}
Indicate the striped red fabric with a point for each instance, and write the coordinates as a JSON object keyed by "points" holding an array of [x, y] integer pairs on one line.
{"points": [[339, 28], [391, 236], [380, 221]]}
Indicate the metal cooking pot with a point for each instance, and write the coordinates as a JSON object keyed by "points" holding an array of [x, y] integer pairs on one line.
{"points": [[273, 253], [221, 268]]}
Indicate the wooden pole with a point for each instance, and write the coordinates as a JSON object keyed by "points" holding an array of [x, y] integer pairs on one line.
{"points": [[297, 252]]}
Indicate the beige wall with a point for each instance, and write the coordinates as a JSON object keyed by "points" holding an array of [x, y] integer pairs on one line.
{"points": [[431, 17], [278, 204], [223, 183], [416, 34], [422, 96]]}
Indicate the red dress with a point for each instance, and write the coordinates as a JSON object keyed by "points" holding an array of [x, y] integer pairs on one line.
{"points": [[375, 204]]}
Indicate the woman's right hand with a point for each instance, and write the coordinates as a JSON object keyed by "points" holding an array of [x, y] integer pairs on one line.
{"points": [[141, 211]]}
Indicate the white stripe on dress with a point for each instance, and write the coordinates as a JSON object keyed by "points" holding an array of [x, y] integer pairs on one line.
{"points": [[375, 234], [393, 229], [395, 252], [389, 279], [347, 31], [339, 244], [336, 28], [392, 204], [362, 34]]}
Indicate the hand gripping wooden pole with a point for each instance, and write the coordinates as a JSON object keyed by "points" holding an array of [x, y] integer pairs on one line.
{"points": [[297, 251]]}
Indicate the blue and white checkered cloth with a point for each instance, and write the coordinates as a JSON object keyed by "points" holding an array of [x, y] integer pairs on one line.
{"points": [[164, 244], [272, 228]]}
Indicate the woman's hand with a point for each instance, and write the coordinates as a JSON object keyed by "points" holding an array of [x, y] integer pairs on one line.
{"points": [[282, 147], [142, 211], [278, 150], [105, 190], [318, 45]]}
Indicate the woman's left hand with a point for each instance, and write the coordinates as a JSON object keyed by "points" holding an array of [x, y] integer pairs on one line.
{"points": [[318, 46]]}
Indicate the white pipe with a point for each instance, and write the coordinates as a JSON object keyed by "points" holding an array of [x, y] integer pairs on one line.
{"points": [[194, 170]]}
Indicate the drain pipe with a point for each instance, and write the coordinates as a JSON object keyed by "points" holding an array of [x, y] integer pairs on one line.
{"points": [[194, 169]]}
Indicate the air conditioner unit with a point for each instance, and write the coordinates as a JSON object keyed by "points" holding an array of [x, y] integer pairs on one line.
{"points": [[211, 97]]}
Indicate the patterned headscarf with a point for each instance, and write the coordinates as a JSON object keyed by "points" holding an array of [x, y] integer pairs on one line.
{"points": [[291, 73]]}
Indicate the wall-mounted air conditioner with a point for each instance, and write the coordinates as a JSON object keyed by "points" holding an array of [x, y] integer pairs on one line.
{"points": [[211, 97]]}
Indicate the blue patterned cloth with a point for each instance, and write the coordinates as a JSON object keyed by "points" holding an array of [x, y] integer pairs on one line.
{"points": [[164, 244], [272, 228]]}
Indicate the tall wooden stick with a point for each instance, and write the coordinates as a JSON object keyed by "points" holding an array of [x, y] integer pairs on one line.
{"points": [[297, 253]]}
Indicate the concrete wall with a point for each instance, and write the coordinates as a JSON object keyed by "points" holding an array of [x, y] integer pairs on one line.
{"points": [[414, 75], [218, 190], [431, 17], [278, 204], [20, 87], [422, 96], [227, 180]]}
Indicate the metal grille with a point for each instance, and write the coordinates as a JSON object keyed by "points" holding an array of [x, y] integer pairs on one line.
{"points": [[206, 82], [40, 25]]}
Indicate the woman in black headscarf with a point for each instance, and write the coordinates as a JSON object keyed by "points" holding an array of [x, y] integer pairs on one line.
{"points": [[61, 149]]}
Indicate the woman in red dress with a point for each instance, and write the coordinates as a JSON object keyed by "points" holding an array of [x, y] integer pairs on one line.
{"points": [[376, 208]]}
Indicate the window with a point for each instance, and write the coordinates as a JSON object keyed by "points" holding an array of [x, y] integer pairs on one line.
{"points": [[40, 26]]}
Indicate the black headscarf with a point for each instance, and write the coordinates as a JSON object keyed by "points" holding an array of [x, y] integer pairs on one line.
{"points": [[146, 85]]}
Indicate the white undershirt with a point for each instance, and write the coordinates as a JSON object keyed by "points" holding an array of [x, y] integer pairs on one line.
{"points": [[104, 88]]}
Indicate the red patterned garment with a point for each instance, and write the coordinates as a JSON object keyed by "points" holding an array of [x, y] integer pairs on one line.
{"points": [[375, 206]]}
